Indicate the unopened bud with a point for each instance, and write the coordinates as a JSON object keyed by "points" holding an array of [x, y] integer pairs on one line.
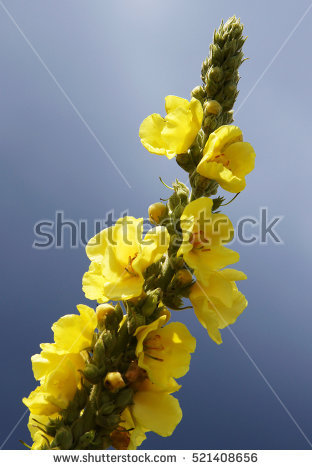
{"points": [[212, 107], [99, 352], [184, 277], [151, 302], [156, 212], [124, 398], [92, 373], [114, 381], [215, 74], [107, 408], [198, 93], [103, 310], [63, 438]]}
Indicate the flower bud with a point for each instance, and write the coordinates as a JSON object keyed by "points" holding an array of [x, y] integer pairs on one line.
{"points": [[184, 277], [92, 373], [151, 302], [99, 352], [156, 212], [215, 74], [103, 310], [212, 107], [63, 438], [114, 381], [111, 421], [107, 408], [198, 93], [124, 398]]}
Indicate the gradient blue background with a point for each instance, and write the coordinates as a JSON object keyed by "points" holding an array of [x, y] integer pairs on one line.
{"points": [[117, 60]]}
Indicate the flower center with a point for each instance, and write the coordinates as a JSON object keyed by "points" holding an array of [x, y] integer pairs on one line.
{"points": [[151, 345], [221, 159], [199, 242], [129, 268]]}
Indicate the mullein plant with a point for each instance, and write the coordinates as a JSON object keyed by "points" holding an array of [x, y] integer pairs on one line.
{"points": [[110, 375]]}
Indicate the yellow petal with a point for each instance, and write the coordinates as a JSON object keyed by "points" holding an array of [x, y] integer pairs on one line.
{"points": [[220, 138], [157, 411], [93, 282], [38, 403], [226, 159], [154, 246], [215, 258], [172, 102], [74, 333], [241, 156], [212, 313], [176, 132], [150, 134]]}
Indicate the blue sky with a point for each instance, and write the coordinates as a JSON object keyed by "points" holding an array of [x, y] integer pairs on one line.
{"points": [[113, 63]]}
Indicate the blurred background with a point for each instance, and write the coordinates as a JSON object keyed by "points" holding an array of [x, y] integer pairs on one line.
{"points": [[67, 65]]}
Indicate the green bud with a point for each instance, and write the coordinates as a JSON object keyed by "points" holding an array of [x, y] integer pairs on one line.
{"points": [[173, 201], [124, 398], [80, 398], [112, 420], [212, 107], [198, 93], [99, 352], [92, 373], [184, 160], [109, 340], [178, 211], [119, 313], [134, 322], [86, 439], [107, 408], [78, 429], [105, 396], [181, 191], [88, 418], [52, 426], [63, 438], [71, 413], [151, 302]]}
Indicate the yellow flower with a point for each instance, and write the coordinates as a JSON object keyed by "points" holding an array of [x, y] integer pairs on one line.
{"points": [[38, 435], [59, 380], [153, 409], [204, 234], [157, 411], [176, 132], [74, 333], [217, 302], [58, 365], [38, 402], [227, 159], [119, 257], [164, 351]]}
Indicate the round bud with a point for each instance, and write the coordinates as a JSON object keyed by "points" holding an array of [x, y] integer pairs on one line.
{"points": [[212, 107], [198, 93], [156, 212], [103, 310], [114, 381]]}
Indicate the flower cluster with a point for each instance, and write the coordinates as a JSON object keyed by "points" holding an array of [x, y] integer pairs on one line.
{"points": [[110, 375]]}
